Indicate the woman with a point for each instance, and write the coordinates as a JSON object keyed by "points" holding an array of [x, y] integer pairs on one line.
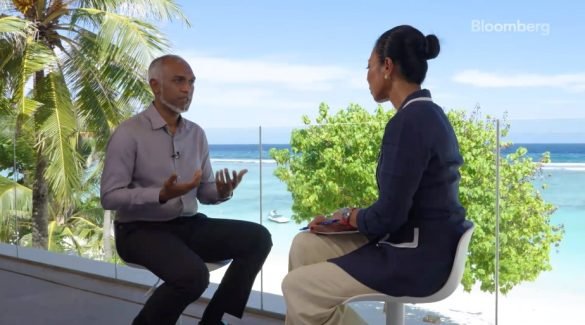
{"points": [[407, 238]]}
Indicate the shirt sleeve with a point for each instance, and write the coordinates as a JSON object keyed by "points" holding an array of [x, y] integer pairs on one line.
{"points": [[207, 191], [117, 175], [404, 158]]}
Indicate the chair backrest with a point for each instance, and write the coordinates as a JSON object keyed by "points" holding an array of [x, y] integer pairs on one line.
{"points": [[447, 289], [456, 271]]}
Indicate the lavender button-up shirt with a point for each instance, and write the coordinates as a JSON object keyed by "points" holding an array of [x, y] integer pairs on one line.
{"points": [[141, 155]]}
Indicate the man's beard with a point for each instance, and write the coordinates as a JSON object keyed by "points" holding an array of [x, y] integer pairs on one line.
{"points": [[172, 107], [175, 108]]}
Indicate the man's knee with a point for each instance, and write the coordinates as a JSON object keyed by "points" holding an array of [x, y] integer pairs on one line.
{"points": [[261, 239], [191, 282], [265, 239]]}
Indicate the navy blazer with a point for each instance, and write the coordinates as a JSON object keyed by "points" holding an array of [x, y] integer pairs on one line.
{"points": [[416, 223]]}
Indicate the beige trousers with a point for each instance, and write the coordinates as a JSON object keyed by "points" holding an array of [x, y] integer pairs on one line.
{"points": [[314, 288]]}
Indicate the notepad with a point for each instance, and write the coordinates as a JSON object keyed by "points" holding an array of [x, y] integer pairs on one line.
{"points": [[345, 232], [334, 229]]}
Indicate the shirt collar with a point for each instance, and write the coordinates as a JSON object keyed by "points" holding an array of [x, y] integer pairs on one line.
{"points": [[416, 94], [157, 122]]}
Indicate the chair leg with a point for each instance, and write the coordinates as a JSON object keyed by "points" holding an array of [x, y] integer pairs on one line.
{"points": [[394, 313]]}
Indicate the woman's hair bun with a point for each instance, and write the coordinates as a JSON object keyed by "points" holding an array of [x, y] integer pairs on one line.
{"points": [[432, 47]]}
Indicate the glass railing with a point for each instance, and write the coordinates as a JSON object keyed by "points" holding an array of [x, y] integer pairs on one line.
{"points": [[15, 200], [70, 222], [528, 286], [276, 215], [552, 263]]}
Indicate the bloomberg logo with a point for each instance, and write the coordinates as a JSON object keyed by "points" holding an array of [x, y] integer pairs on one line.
{"points": [[482, 26]]}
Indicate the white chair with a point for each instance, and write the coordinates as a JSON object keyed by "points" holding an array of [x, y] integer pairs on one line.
{"points": [[211, 266], [394, 306]]}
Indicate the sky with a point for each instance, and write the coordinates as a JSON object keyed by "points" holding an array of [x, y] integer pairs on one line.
{"points": [[268, 63]]}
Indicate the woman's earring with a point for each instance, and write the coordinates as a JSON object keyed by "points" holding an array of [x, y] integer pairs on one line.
{"points": [[385, 77]]}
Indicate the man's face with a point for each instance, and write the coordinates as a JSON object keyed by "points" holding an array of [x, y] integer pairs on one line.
{"points": [[175, 85]]}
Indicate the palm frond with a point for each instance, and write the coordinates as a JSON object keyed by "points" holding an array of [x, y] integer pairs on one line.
{"points": [[54, 237], [71, 242], [15, 199], [56, 9], [5, 108], [15, 210], [105, 87], [87, 219], [134, 37], [58, 137], [36, 57], [8, 65], [156, 10], [94, 173], [15, 158], [14, 27]]}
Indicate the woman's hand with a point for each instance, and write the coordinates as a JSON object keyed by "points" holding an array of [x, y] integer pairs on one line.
{"points": [[316, 221]]}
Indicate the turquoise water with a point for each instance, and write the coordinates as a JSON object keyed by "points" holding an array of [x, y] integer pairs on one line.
{"points": [[565, 191], [559, 152]]}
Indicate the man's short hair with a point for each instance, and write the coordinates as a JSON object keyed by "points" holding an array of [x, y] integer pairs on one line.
{"points": [[154, 70]]}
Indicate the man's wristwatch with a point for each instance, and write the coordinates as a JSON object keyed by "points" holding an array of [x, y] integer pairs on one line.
{"points": [[345, 214]]}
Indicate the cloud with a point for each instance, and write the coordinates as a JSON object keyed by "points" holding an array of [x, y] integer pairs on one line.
{"points": [[561, 101], [570, 82], [248, 97], [267, 90], [289, 75]]}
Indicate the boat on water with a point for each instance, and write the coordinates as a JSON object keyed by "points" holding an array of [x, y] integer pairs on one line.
{"points": [[274, 216]]}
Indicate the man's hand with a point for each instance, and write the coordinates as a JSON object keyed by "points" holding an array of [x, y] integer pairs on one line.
{"points": [[171, 189], [226, 184]]}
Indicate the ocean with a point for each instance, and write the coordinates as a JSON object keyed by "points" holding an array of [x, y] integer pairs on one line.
{"points": [[564, 176], [560, 152]]}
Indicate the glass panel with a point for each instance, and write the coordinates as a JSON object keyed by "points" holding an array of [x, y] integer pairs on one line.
{"points": [[276, 216], [236, 149], [553, 282], [15, 199], [70, 221]]}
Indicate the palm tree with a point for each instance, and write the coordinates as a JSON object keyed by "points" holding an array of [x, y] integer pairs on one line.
{"points": [[69, 67]]}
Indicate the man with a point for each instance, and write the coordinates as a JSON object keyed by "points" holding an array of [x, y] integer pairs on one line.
{"points": [[156, 169]]}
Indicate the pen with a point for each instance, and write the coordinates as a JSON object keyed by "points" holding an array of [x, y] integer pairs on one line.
{"points": [[326, 222]]}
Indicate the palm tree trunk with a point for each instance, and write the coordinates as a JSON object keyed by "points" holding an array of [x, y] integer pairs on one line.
{"points": [[106, 235], [40, 209]]}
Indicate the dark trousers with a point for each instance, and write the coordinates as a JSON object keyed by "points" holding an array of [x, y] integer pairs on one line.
{"points": [[176, 252]]}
